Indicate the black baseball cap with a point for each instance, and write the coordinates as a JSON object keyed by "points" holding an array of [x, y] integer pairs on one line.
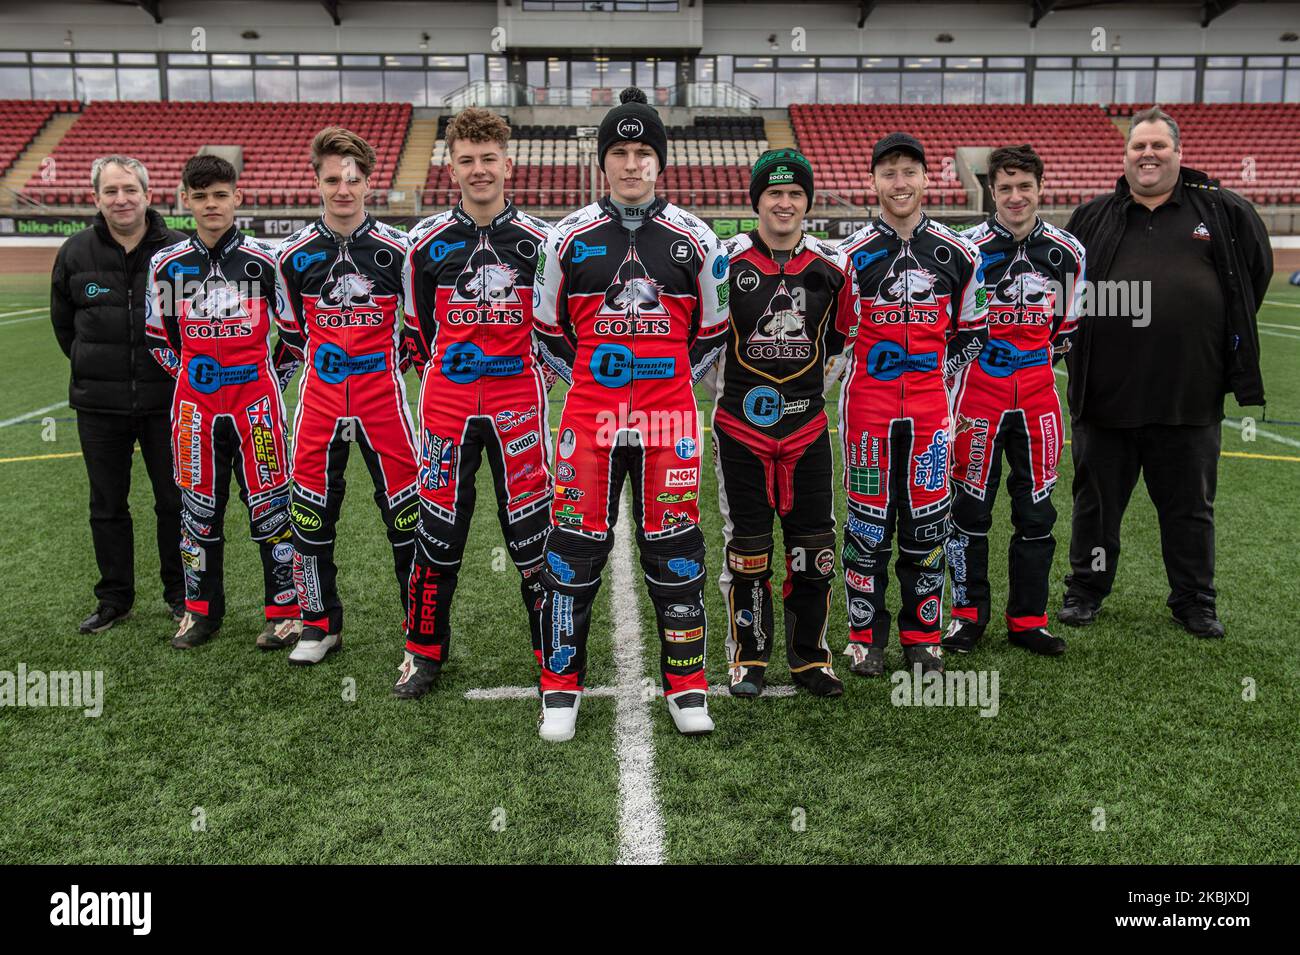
{"points": [[897, 143]]}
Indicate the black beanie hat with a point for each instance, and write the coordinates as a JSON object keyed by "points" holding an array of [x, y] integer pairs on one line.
{"points": [[633, 120], [780, 167]]}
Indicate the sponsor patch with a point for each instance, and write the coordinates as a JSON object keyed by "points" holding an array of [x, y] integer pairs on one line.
{"points": [[747, 563], [682, 477], [683, 636]]}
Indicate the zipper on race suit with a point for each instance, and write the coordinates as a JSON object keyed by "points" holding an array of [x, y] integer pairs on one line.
{"points": [[905, 251], [346, 344], [631, 384], [478, 327]]}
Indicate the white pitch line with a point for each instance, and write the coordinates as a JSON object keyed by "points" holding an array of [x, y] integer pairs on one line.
{"points": [[32, 414], [1269, 301], [1235, 423], [1294, 328], [640, 823], [23, 311], [29, 318], [1265, 331], [530, 692]]}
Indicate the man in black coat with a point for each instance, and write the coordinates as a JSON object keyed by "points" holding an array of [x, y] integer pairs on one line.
{"points": [[1146, 387], [120, 393]]}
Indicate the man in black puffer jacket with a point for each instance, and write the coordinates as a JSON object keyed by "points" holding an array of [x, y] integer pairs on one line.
{"points": [[120, 394]]}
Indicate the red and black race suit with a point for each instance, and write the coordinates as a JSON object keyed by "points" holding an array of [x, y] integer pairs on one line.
{"points": [[631, 318], [340, 300], [469, 309], [790, 322], [209, 316], [1008, 402], [923, 321]]}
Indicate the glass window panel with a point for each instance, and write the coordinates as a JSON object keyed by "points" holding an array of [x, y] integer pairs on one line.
{"points": [[275, 59], [16, 82], [1292, 86], [922, 88], [1175, 86], [1095, 62], [963, 63], [101, 58], [535, 72], [1054, 63], [795, 88], [704, 69], [276, 86], [839, 62], [189, 84], [616, 73], [96, 84], [1004, 62], [318, 59], [363, 59], [51, 57], [1264, 86], [231, 59], [15, 56], [1004, 87], [880, 63], [725, 66], [1136, 62], [404, 87], [51, 82], [138, 84], [921, 62], [232, 85], [667, 73], [440, 83], [394, 59], [753, 62], [1223, 61], [1184, 62], [878, 87], [1222, 86], [582, 73], [557, 74], [137, 59], [188, 59], [364, 86], [963, 87], [447, 61], [318, 86], [1135, 86], [761, 85], [496, 68], [796, 62], [837, 87], [1094, 86], [1053, 86]]}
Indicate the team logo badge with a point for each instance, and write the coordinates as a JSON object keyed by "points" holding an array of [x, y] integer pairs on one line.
{"points": [[780, 332]]}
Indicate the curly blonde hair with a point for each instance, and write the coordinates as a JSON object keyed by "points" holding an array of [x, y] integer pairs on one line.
{"points": [[477, 125]]}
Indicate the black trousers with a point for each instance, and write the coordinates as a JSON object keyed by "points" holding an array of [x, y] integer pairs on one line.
{"points": [[107, 441], [1180, 464]]}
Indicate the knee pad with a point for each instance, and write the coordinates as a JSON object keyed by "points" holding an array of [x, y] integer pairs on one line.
{"points": [[811, 556], [268, 515], [438, 540], [309, 515], [973, 515], [864, 536], [526, 541], [672, 562], [573, 563], [750, 558], [923, 535], [197, 519]]}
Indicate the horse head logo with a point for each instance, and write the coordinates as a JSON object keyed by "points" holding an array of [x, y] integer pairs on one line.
{"points": [[492, 282], [638, 293], [219, 302], [348, 290]]}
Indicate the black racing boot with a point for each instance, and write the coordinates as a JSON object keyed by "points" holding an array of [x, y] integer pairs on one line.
{"points": [[962, 636], [1078, 611], [928, 655], [819, 681], [868, 659], [416, 676], [1038, 640]]}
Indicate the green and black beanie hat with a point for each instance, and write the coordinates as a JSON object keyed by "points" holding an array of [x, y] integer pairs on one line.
{"points": [[780, 167]]}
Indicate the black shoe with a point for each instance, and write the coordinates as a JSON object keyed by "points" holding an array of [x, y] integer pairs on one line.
{"points": [[928, 655], [1201, 621], [103, 618], [748, 681], [868, 659], [1078, 611], [416, 676], [1038, 640], [177, 610], [819, 681], [962, 636], [195, 630]]}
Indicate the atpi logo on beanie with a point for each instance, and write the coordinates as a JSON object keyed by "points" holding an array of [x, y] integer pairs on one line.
{"points": [[631, 128]]}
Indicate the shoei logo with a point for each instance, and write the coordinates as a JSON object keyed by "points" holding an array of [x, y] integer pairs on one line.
{"points": [[305, 517], [747, 281], [582, 251], [93, 290], [406, 520], [303, 259], [631, 129], [440, 250]]}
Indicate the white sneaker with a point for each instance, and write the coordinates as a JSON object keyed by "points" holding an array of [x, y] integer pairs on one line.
{"points": [[559, 716], [690, 712], [314, 646]]}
